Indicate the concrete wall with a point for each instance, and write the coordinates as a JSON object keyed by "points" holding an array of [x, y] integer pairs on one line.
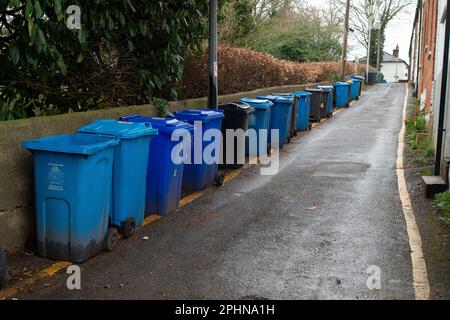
{"points": [[16, 170]]}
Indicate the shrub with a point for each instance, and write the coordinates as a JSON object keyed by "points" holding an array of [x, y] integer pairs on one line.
{"points": [[242, 69], [124, 52]]}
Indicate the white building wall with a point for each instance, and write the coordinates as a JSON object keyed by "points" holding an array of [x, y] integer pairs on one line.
{"points": [[389, 70]]}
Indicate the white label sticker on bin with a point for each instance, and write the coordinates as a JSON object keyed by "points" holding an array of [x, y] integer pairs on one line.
{"points": [[175, 173], [56, 177]]}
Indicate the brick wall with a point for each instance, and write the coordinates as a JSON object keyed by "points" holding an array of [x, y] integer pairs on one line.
{"points": [[427, 49]]}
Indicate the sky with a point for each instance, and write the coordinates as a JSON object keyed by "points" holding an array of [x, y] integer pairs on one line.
{"points": [[398, 32]]}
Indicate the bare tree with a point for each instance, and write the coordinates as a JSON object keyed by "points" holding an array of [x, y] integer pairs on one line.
{"points": [[333, 13], [264, 9], [364, 12]]}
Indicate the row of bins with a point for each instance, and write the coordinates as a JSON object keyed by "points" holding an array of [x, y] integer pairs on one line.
{"points": [[108, 176]]}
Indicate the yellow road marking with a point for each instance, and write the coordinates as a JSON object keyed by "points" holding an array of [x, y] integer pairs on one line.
{"points": [[191, 197], [55, 268], [150, 219], [47, 272], [419, 267], [51, 270], [7, 292]]}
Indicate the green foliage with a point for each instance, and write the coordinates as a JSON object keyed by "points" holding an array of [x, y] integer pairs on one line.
{"points": [[424, 149], [421, 123], [236, 21], [374, 46], [161, 106], [442, 202], [124, 52], [411, 133], [301, 38]]}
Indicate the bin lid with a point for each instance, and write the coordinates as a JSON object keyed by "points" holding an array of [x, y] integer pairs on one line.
{"points": [[357, 80], [358, 77], [342, 84], [314, 90], [302, 93], [204, 115], [119, 129], [164, 125], [239, 107], [71, 143], [283, 94], [258, 103], [325, 88], [278, 99]]}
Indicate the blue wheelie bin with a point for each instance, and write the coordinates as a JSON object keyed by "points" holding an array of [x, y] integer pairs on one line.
{"points": [[327, 93], [304, 106], [292, 131], [201, 175], [130, 170], [362, 81], [73, 179], [259, 120], [280, 116], [342, 94], [355, 89], [165, 176]]}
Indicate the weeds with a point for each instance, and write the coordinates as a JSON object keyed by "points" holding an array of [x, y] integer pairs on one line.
{"points": [[411, 133], [420, 123], [442, 202], [423, 148]]}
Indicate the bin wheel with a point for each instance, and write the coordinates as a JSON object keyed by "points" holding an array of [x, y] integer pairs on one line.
{"points": [[310, 127], [112, 239], [220, 180], [128, 228]]}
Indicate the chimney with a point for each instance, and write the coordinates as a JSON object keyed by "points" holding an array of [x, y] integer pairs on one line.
{"points": [[396, 51]]}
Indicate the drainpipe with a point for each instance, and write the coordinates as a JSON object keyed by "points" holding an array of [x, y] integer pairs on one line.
{"points": [[212, 57], [419, 32], [443, 102]]}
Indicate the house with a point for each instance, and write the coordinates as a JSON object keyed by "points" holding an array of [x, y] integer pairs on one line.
{"points": [[429, 52], [393, 67]]}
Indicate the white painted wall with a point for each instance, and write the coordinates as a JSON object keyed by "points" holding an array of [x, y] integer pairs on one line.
{"points": [[389, 71]]}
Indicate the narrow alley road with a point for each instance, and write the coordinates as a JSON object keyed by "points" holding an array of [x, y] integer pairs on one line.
{"points": [[309, 232]]}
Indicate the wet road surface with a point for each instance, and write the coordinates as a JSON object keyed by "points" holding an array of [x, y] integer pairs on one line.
{"points": [[309, 232]]}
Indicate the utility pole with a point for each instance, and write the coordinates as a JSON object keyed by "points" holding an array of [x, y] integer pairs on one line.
{"points": [[379, 46], [212, 57], [345, 44], [370, 19], [368, 53]]}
